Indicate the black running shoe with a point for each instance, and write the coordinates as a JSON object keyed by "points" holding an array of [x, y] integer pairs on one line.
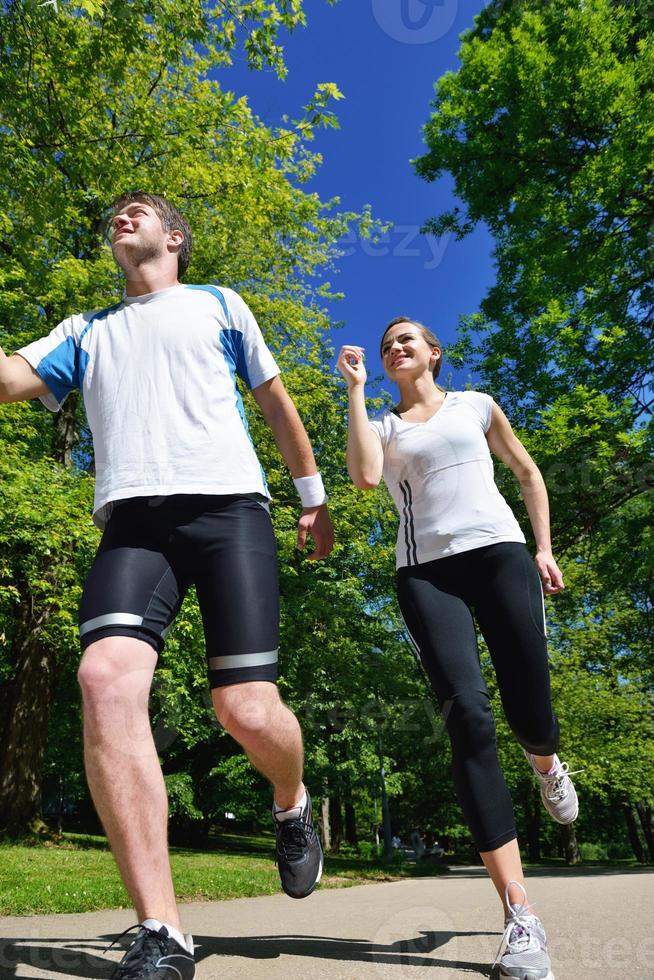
{"points": [[298, 853], [155, 955]]}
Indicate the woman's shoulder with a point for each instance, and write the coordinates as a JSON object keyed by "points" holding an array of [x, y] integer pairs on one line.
{"points": [[382, 425], [468, 394], [479, 402], [383, 417], [471, 397]]}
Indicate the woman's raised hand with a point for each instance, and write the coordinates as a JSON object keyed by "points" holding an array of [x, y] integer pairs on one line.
{"points": [[350, 364]]}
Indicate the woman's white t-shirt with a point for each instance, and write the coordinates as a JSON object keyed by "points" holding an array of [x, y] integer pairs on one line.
{"points": [[440, 475]]}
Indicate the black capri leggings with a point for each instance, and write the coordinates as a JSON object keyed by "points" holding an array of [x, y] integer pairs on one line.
{"points": [[501, 584]]}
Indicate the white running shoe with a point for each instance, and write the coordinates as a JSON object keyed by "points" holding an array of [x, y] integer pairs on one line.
{"points": [[523, 949], [557, 790]]}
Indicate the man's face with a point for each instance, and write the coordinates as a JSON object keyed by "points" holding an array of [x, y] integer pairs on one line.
{"points": [[137, 235]]}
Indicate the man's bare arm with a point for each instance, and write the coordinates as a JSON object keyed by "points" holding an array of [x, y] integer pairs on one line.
{"points": [[18, 379], [290, 435], [293, 443]]}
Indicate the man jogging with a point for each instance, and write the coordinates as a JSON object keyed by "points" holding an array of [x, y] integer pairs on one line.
{"points": [[182, 500]]}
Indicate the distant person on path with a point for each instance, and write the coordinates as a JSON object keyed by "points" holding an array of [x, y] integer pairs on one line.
{"points": [[417, 843], [460, 551], [182, 499]]}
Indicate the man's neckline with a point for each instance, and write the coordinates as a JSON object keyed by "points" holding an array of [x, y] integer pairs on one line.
{"points": [[146, 297]]}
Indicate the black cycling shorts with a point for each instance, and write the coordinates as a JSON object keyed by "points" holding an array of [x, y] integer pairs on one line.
{"points": [[154, 548]]}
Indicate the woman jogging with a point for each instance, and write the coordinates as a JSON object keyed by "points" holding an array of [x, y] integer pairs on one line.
{"points": [[460, 550]]}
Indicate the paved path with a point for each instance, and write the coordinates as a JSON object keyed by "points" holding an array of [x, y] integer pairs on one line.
{"points": [[600, 924]]}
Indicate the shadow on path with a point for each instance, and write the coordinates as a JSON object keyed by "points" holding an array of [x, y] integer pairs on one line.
{"points": [[75, 958], [547, 871]]}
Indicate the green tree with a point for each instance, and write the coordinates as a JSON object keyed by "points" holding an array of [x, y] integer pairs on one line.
{"points": [[547, 129], [141, 107], [45, 540]]}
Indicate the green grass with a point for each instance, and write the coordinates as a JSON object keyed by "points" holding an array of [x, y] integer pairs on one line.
{"points": [[80, 875]]}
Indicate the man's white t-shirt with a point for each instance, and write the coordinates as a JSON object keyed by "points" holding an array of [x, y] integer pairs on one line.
{"points": [[440, 475], [158, 376]]}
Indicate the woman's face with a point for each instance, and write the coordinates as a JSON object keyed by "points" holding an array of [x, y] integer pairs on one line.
{"points": [[404, 350]]}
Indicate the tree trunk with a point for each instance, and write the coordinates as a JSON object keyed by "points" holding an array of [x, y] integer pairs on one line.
{"points": [[323, 819], [645, 814], [65, 434], [386, 813], [335, 821], [533, 825], [28, 699], [569, 844], [350, 824], [634, 836]]}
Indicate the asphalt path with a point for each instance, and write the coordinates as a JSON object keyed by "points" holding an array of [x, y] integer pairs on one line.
{"points": [[600, 923]]}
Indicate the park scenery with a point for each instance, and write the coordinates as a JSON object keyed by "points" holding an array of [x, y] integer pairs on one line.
{"points": [[542, 128]]}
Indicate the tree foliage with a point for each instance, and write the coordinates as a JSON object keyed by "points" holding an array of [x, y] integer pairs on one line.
{"points": [[548, 130]]}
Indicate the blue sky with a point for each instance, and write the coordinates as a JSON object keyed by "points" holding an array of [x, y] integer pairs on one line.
{"points": [[385, 56]]}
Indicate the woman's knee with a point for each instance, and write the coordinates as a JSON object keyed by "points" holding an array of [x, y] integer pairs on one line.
{"points": [[469, 720], [540, 736]]}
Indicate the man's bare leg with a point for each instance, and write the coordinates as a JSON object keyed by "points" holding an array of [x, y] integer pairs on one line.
{"points": [[254, 714], [123, 771]]}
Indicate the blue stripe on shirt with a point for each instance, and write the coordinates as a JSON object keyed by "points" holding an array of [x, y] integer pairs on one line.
{"points": [[83, 355], [63, 368], [232, 341], [232, 345], [60, 369], [219, 296], [233, 351]]}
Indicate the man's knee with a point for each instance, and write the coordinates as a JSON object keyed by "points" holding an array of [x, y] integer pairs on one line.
{"points": [[247, 710], [113, 663]]}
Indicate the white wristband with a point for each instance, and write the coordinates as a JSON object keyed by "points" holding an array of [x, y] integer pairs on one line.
{"points": [[311, 490]]}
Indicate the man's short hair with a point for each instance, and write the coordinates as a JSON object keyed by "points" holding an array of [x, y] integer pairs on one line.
{"points": [[171, 220]]}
